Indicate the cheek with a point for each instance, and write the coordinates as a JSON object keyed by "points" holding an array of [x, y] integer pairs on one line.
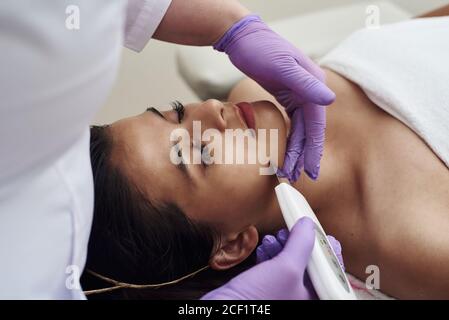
{"points": [[237, 196], [273, 131]]}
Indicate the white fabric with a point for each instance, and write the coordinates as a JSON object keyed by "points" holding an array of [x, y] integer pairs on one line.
{"points": [[404, 69], [363, 293], [52, 82], [143, 18]]}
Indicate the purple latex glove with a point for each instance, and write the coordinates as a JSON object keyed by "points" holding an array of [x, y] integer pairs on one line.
{"points": [[272, 245], [279, 278], [293, 79]]}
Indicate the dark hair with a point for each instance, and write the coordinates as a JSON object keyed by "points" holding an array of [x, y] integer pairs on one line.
{"points": [[136, 241]]}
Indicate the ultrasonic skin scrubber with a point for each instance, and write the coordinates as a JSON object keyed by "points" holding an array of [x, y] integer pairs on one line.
{"points": [[327, 276]]}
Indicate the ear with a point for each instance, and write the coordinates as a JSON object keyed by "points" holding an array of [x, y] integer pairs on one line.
{"points": [[235, 248]]}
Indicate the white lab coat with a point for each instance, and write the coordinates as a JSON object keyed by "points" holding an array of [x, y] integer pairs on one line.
{"points": [[52, 82]]}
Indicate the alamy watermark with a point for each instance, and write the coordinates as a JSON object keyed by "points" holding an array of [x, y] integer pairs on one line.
{"points": [[372, 282], [72, 282], [72, 20], [235, 146], [372, 20]]}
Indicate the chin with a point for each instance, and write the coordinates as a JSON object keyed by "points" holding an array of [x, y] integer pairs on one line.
{"points": [[269, 116]]}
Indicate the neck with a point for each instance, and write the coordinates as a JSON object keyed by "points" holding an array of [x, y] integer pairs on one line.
{"points": [[336, 188], [313, 191]]}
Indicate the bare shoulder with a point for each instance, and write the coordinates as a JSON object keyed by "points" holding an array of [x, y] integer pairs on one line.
{"points": [[417, 263], [405, 197]]}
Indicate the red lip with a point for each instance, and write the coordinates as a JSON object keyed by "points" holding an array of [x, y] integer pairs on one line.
{"points": [[247, 114]]}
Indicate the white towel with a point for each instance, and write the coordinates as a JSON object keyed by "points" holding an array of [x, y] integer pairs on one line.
{"points": [[404, 69], [363, 293]]}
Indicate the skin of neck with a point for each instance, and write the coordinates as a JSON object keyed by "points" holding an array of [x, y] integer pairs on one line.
{"points": [[336, 185], [313, 191]]}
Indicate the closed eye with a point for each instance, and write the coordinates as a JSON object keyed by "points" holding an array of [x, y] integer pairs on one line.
{"points": [[179, 108]]}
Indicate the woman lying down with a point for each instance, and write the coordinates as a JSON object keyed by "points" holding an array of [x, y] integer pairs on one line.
{"points": [[383, 189]]}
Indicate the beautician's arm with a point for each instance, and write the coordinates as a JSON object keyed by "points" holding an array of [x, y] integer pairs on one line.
{"points": [[440, 12], [198, 22]]}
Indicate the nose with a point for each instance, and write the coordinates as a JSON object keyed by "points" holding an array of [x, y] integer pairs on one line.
{"points": [[211, 114]]}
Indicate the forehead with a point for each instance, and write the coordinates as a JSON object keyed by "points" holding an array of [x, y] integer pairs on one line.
{"points": [[141, 150]]}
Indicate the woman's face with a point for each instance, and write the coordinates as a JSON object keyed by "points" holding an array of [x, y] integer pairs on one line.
{"points": [[229, 196]]}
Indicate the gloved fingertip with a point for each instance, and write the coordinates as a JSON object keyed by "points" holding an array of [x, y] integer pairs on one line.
{"points": [[307, 222], [295, 175], [287, 175], [289, 165], [282, 236], [328, 97], [300, 242], [320, 94], [336, 245], [340, 260], [268, 240], [261, 255], [304, 227], [314, 173], [280, 173], [296, 172]]}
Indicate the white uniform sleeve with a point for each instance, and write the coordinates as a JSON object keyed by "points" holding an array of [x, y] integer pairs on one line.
{"points": [[142, 19]]}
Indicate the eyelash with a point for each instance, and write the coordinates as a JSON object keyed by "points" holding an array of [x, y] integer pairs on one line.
{"points": [[179, 108]]}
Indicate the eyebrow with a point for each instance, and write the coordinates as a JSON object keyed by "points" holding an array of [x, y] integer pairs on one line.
{"points": [[181, 166], [156, 111]]}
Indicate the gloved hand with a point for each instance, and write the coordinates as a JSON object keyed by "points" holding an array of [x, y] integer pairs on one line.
{"points": [[272, 245], [279, 278], [293, 79]]}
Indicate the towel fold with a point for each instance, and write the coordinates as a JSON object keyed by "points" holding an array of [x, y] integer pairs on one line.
{"points": [[404, 69]]}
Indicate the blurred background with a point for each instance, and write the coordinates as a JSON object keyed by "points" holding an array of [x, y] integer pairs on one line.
{"points": [[150, 78]]}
